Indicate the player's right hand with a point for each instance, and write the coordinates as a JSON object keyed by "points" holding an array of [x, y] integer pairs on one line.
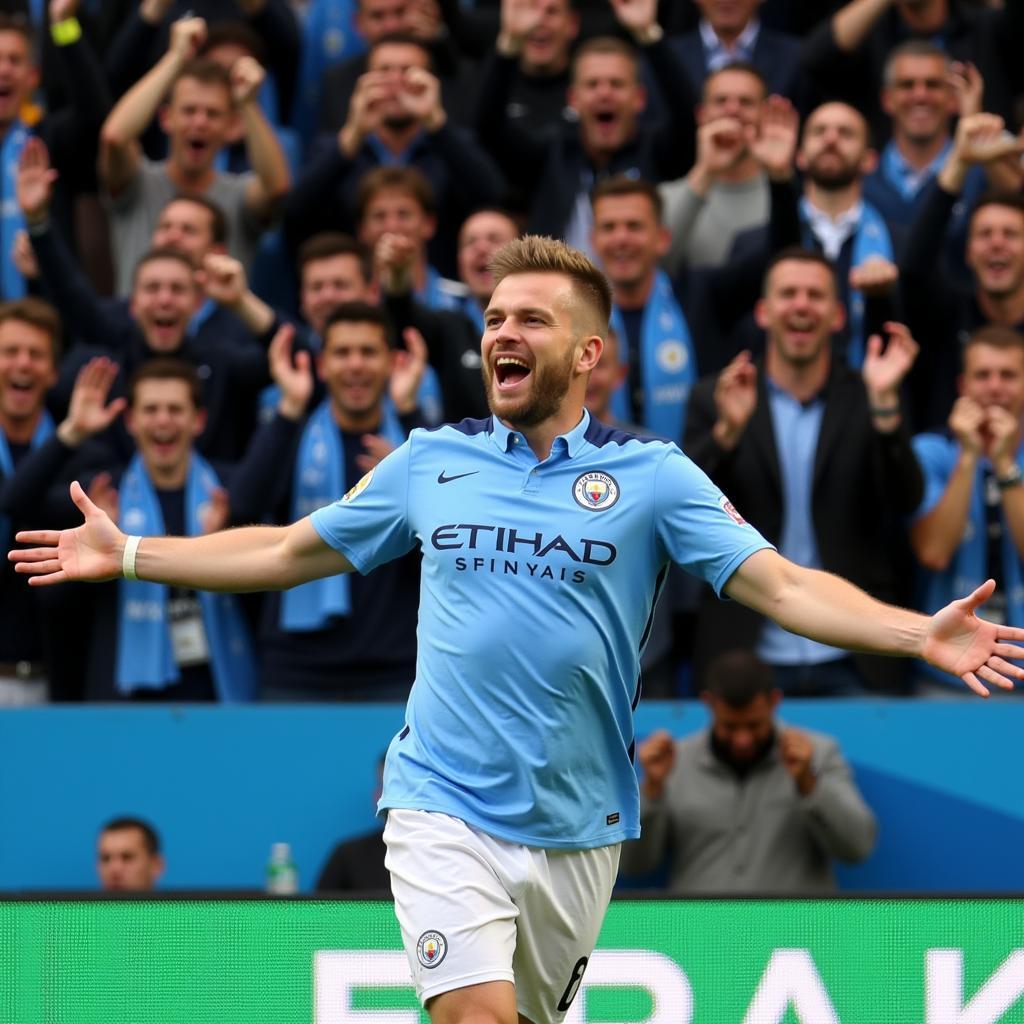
{"points": [[91, 552]]}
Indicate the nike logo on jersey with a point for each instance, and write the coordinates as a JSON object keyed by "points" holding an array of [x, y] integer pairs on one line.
{"points": [[442, 479]]}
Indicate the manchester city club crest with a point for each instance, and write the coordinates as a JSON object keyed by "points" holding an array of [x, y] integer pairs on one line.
{"points": [[431, 948], [595, 491]]}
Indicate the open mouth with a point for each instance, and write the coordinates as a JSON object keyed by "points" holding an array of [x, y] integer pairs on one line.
{"points": [[196, 148], [510, 371], [605, 118]]}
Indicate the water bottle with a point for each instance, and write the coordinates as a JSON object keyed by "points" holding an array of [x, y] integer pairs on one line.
{"points": [[282, 877]]}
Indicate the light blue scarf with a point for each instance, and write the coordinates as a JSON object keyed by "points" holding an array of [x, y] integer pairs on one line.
{"points": [[871, 239], [319, 480], [11, 218], [145, 656], [668, 361], [43, 433]]}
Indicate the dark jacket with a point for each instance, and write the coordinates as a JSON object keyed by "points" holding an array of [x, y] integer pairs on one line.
{"points": [[864, 484]]}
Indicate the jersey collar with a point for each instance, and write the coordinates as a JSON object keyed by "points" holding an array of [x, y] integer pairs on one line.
{"points": [[571, 442]]}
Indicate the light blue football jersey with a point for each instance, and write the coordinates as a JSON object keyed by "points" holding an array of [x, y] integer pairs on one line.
{"points": [[538, 585]]}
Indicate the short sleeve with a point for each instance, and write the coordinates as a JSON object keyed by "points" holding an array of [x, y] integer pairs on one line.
{"points": [[370, 524], [697, 526], [933, 453]]}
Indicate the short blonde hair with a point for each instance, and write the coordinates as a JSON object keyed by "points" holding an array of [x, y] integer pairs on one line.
{"points": [[538, 254]]}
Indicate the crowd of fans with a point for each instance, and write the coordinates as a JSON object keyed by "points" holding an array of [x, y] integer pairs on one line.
{"points": [[244, 251]]}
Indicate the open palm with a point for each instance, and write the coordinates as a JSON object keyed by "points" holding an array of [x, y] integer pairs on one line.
{"points": [[90, 552], [960, 643]]}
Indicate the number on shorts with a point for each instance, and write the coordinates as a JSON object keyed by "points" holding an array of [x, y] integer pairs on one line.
{"points": [[574, 985]]}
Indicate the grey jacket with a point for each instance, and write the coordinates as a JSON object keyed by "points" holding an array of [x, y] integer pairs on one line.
{"points": [[757, 834]]}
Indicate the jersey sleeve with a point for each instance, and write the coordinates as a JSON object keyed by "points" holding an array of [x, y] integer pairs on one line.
{"points": [[933, 453], [697, 526], [370, 524]]}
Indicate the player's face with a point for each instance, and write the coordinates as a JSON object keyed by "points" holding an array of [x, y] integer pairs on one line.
{"points": [[994, 376], [17, 74], [327, 283], [185, 227], [547, 46], [919, 99], [164, 421], [482, 235], [163, 299], [354, 365], [395, 211], [728, 16], [800, 311], [124, 864], [834, 151], [743, 733], [735, 94], [197, 120], [627, 238], [27, 370], [529, 348], [995, 249], [608, 97]]}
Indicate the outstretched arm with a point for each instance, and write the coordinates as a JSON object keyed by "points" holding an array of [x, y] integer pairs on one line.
{"points": [[249, 558], [833, 611]]}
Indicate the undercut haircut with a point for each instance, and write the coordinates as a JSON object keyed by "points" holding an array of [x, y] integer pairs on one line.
{"points": [[624, 185], [796, 254], [218, 218], [402, 179], [605, 45], [40, 314], [537, 254], [205, 70], [912, 48], [328, 244], [737, 678], [167, 368], [150, 836]]}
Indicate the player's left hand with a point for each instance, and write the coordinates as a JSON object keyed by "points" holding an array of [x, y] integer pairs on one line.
{"points": [[960, 643]]}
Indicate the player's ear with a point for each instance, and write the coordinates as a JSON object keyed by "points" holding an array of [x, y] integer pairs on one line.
{"points": [[589, 353]]}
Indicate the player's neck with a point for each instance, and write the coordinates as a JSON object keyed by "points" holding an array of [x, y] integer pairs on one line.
{"points": [[541, 436]]}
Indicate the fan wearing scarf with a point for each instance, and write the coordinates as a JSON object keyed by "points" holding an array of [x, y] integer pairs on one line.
{"points": [[174, 643], [29, 337], [835, 156], [342, 636], [654, 337]]}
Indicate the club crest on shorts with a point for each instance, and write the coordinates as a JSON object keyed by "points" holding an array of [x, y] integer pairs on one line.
{"points": [[354, 492], [431, 949], [595, 491]]}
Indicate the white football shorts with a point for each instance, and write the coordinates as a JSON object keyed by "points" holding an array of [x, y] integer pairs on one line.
{"points": [[473, 908]]}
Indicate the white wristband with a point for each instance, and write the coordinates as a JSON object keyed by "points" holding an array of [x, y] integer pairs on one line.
{"points": [[131, 546]]}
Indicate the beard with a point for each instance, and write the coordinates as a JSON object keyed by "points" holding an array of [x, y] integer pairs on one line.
{"points": [[399, 122], [833, 180], [549, 386]]}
